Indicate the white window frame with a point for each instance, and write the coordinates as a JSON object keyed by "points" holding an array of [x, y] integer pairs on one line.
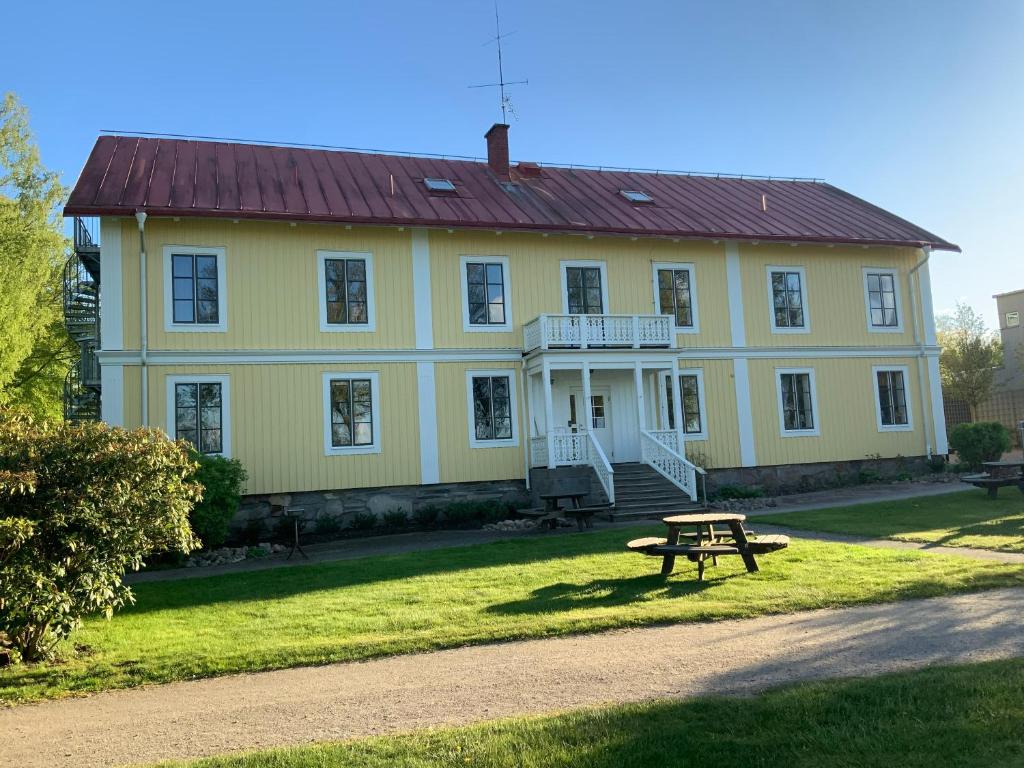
{"points": [[898, 328], [225, 405], [603, 266], [352, 450], [222, 289], [816, 412], [370, 326], [513, 407], [803, 298], [692, 269], [701, 403], [506, 277], [1015, 315], [905, 370]]}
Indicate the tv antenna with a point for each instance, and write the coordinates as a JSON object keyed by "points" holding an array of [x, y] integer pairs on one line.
{"points": [[502, 84]]}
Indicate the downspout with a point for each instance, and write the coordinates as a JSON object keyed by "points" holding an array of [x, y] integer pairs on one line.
{"points": [[143, 334], [915, 287]]}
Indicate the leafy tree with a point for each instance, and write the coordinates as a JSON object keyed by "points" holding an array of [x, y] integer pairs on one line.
{"points": [[32, 247], [980, 442], [969, 357], [80, 505]]}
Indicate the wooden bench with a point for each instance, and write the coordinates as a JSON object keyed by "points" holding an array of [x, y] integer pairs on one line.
{"points": [[582, 515]]}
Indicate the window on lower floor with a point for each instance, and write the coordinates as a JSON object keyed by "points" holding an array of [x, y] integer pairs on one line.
{"points": [[689, 390], [197, 411], [351, 403], [891, 394], [492, 408], [796, 401]]}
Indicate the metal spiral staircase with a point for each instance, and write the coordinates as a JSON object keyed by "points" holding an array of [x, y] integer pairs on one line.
{"points": [[82, 321]]}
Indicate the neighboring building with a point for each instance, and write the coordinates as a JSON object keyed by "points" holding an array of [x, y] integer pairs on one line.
{"points": [[375, 330], [1011, 312]]}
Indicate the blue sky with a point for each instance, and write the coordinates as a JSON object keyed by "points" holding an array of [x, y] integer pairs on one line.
{"points": [[914, 105]]}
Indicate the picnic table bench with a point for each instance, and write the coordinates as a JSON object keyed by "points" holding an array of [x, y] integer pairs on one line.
{"points": [[997, 475], [705, 542], [551, 511]]}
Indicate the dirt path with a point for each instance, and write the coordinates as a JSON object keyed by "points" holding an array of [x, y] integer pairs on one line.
{"points": [[297, 706]]}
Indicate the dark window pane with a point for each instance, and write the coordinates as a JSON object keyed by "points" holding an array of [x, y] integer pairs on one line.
{"points": [[211, 441], [474, 273], [206, 266], [592, 277], [184, 418], [477, 294], [189, 434], [207, 312], [478, 314], [356, 269], [357, 313], [335, 312], [357, 291], [185, 395]]}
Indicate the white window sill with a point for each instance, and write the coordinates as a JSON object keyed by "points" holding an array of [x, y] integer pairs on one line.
{"points": [[896, 428], [501, 328], [885, 329], [347, 328], [784, 331], [352, 451], [196, 328], [801, 433], [494, 444]]}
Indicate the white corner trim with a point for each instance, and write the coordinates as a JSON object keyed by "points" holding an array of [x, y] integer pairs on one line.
{"points": [[375, 406], [694, 312], [426, 390], [511, 374], [371, 297], [905, 370], [815, 412], [225, 405], [111, 285], [925, 283], [112, 395], [701, 404], [744, 413], [806, 327], [603, 266], [735, 284], [506, 278], [422, 296], [938, 414], [222, 290], [898, 328]]}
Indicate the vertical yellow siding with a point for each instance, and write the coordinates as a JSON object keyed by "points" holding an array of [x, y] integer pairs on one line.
{"points": [[835, 294], [535, 281], [458, 461], [272, 294], [846, 413], [721, 449], [277, 425]]}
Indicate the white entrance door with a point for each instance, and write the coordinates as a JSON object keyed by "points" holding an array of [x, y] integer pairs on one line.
{"points": [[600, 416]]}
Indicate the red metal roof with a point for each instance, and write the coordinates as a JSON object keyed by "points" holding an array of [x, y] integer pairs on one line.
{"points": [[175, 177]]}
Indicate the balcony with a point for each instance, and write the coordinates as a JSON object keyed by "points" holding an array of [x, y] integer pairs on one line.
{"points": [[599, 332]]}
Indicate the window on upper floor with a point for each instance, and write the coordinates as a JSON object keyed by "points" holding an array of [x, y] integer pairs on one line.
{"points": [[882, 300], [585, 287], [197, 411], [892, 406], [194, 289], [691, 390], [787, 296], [492, 408], [676, 294], [351, 421], [346, 291], [1012, 319], [485, 289], [797, 402]]}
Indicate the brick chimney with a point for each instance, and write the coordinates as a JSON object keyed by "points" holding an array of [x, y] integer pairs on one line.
{"points": [[497, 151]]}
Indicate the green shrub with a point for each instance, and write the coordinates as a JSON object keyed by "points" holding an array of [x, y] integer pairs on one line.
{"points": [[255, 531], [81, 504], [978, 442], [328, 525], [867, 476], [363, 521], [937, 464], [739, 492], [396, 518], [426, 516], [463, 512], [222, 480]]}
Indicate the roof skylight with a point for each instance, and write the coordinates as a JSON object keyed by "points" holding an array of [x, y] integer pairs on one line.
{"points": [[439, 185], [636, 196]]}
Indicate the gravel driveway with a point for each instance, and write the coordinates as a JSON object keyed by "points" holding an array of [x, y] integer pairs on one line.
{"points": [[340, 701]]}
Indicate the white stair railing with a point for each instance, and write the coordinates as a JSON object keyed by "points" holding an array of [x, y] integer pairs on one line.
{"points": [[569, 448], [669, 463], [602, 467]]}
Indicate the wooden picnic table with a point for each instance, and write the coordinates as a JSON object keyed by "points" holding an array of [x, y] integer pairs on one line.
{"points": [[996, 475], [574, 495], [707, 542]]}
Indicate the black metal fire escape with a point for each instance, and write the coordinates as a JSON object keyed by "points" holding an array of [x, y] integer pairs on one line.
{"points": [[82, 320]]}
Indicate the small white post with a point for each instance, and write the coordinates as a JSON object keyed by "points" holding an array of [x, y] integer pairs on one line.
{"points": [[638, 380], [543, 331], [662, 400], [677, 408], [549, 417], [636, 331], [584, 328], [588, 420]]}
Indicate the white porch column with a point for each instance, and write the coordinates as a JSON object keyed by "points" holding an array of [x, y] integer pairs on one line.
{"points": [[638, 379], [587, 419], [549, 413], [677, 408], [662, 401]]}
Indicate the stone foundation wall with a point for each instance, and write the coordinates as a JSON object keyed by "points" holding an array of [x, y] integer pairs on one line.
{"points": [[794, 478], [343, 504]]}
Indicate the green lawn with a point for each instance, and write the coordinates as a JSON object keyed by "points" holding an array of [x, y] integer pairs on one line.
{"points": [[963, 519], [953, 716], [532, 587]]}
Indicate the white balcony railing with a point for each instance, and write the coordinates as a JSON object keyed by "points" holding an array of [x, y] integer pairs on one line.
{"points": [[601, 331]]}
